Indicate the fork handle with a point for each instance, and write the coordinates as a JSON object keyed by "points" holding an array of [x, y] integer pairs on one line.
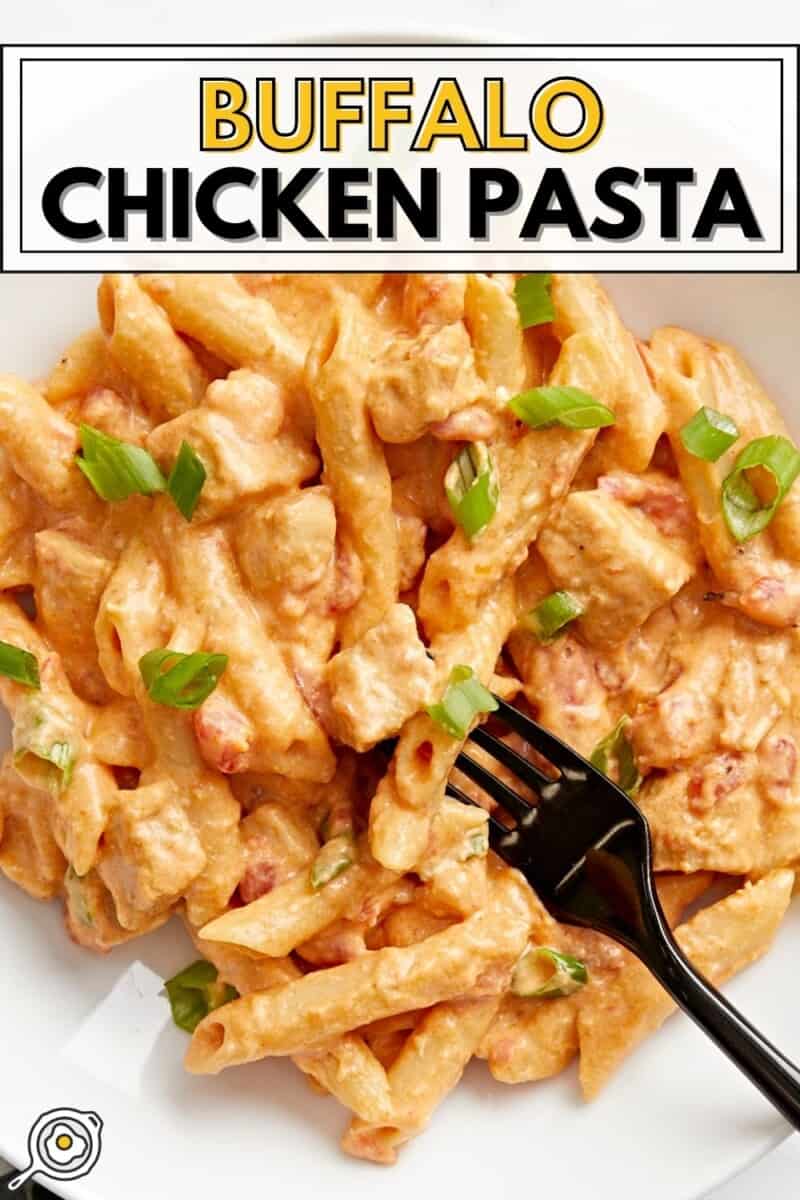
{"points": [[776, 1077]]}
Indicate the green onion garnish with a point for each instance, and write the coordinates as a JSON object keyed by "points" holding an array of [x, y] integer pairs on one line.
{"points": [[47, 733], [115, 469], [616, 747], [745, 514], [550, 615], [472, 488], [19, 665], [78, 899], [335, 857], [709, 434], [196, 992], [478, 843], [543, 971], [567, 406], [464, 698], [59, 754], [181, 680], [534, 303], [186, 480]]}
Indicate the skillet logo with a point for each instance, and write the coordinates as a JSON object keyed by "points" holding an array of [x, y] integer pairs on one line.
{"points": [[63, 1144], [502, 159]]}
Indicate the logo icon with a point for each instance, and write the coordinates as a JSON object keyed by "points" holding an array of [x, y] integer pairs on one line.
{"points": [[64, 1143]]}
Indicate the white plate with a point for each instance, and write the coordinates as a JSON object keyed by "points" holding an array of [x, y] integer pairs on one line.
{"points": [[676, 1121]]}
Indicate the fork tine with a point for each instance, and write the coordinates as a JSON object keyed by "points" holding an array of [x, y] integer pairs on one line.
{"points": [[495, 787], [553, 749], [525, 770], [496, 829]]}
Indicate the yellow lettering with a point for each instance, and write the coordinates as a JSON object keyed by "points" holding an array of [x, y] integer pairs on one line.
{"points": [[303, 130], [447, 115], [334, 113], [223, 124], [543, 105], [383, 114], [496, 136]]}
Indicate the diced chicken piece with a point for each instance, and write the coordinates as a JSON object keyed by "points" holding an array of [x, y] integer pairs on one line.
{"points": [[29, 854], [288, 542], [735, 813], [771, 600], [70, 582], [562, 686], [614, 561], [663, 499], [237, 434], [418, 470], [108, 411], [433, 299], [277, 844], [727, 696], [411, 533], [348, 579], [381, 681], [422, 380], [91, 917], [475, 424], [152, 853]]}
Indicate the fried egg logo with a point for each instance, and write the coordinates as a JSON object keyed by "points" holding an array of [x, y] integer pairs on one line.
{"points": [[64, 1143]]}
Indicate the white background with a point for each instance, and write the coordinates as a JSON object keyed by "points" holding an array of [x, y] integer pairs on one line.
{"points": [[145, 114], [588, 21]]}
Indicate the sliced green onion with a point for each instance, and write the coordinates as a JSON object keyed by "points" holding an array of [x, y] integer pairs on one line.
{"points": [[709, 434], [79, 901], [533, 299], [745, 514], [48, 734], [181, 680], [550, 615], [568, 406], [335, 857], [19, 665], [115, 469], [463, 699], [478, 843], [186, 480], [543, 971], [472, 488], [616, 748], [196, 992]]}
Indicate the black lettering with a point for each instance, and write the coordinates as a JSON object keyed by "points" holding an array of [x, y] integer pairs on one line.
{"points": [[277, 202], [206, 203], [554, 189], [340, 203], [393, 193], [482, 205], [669, 180], [727, 186], [182, 203], [121, 202], [605, 184], [53, 198]]}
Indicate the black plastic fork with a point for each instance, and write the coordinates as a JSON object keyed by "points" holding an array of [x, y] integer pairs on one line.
{"points": [[584, 847]]}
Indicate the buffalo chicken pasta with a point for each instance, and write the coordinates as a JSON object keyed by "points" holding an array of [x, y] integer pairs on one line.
{"points": [[270, 546]]}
